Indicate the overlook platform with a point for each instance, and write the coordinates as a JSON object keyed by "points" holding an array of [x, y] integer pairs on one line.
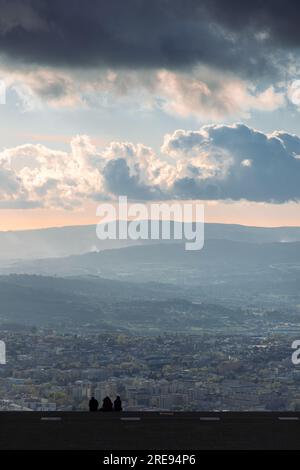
{"points": [[148, 431]]}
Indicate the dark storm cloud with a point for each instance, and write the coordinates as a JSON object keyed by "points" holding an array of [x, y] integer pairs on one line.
{"points": [[230, 34]]}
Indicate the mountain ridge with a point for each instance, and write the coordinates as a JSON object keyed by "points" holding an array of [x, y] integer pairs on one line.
{"points": [[79, 239]]}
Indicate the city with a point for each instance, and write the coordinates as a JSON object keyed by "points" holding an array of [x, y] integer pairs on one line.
{"points": [[49, 371]]}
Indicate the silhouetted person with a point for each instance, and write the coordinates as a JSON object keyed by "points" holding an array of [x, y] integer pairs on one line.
{"points": [[107, 405], [118, 404], [93, 404]]}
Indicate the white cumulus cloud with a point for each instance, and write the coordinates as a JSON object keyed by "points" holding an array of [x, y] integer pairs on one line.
{"points": [[215, 162]]}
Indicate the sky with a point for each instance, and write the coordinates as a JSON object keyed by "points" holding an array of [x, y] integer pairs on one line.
{"points": [[159, 101]]}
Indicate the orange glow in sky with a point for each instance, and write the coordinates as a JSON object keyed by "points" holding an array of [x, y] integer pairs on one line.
{"points": [[244, 213]]}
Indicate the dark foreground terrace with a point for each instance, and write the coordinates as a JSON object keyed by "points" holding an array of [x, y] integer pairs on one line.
{"points": [[150, 431]]}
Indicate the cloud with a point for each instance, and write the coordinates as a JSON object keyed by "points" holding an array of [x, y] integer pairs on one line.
{"points": [[216, 162], [119, 181], [235, 162], [202, 93], [51, 178], [43, 87], [160, 55], [206, 95], [19, 14], [244, 36]]}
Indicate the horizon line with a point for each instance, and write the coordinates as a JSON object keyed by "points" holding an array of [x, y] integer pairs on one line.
{"points": [[57, 227]]}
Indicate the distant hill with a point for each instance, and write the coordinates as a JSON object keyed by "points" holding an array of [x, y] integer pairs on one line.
{"points": [[102, 305], [146, 288], [216, 254], [43, 300], [65, 241]]}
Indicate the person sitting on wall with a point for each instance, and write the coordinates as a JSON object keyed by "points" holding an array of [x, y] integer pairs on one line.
{"points": [[107, 404], [93, 404], [118, 404]]}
